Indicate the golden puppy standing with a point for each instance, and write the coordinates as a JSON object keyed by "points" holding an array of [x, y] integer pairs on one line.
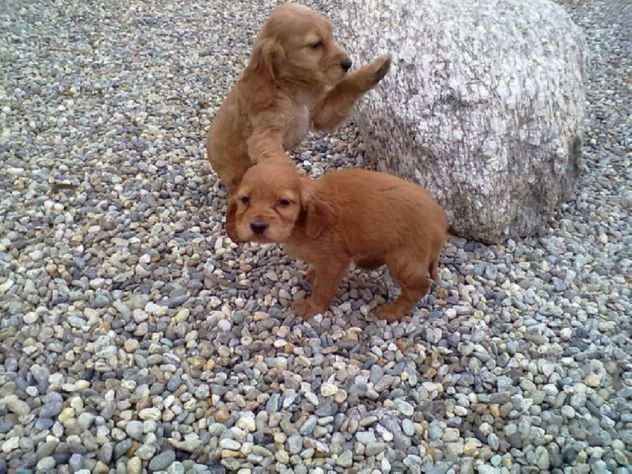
{"points": [[357, 215], [296, 79]]}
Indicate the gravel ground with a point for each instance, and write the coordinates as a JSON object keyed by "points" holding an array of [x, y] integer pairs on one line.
{"points": [[136, 337]]}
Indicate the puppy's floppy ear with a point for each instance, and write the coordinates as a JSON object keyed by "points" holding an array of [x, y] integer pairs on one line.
{"points": [[318, 214], [265, 56], [231, 228]]}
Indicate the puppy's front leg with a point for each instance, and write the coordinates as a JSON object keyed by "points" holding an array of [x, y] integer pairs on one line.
{"points": [[336, 106], [268, 132], [265, 143], [309, 275], [326, 278]]}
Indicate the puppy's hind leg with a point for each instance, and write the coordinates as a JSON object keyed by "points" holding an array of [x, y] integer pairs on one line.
{"points": [[414, 283], [336, 106], [434, 269]]}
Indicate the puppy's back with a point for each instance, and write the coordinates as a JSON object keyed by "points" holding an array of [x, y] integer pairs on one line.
{"points": [[381, 210]]}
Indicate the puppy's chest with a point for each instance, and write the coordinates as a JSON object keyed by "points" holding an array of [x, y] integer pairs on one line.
{"points": [[298, 125], [301, 251]]}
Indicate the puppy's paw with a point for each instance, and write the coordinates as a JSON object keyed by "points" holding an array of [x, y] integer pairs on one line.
{"points": [[368, 76], [310, 274], [389, 312], [307, 308], [381, 66]]}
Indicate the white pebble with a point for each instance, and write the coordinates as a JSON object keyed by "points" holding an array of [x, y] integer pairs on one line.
{"points": [[328, 389]]}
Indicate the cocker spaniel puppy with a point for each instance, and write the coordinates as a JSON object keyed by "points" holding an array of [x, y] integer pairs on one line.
{"points": [[297, 78], [357, 215]]}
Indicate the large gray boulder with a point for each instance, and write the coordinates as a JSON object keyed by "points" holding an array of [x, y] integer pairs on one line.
{"points": [[484, 105]]}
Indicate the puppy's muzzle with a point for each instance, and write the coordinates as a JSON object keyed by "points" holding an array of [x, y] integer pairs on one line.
{"points": [[258, 227], [346, 64]]}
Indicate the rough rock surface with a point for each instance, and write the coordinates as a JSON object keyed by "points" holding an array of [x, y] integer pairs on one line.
{"points": [[484, 106]]}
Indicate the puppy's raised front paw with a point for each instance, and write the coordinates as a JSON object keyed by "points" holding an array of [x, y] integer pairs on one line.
{"points": [[381, 65], [365, 78], [307, 308]]}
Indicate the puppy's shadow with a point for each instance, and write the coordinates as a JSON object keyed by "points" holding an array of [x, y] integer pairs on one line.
{"points": [[359, 293]]}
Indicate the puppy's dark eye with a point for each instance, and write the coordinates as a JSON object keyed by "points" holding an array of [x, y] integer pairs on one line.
{"points": [[283, 202], [316, 44], [245, 200]]}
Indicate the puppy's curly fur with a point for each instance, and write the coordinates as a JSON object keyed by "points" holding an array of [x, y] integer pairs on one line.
{"points": [[296, 79], [357, 215]]}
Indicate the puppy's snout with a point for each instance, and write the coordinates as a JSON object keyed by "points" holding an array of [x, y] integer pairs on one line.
{"points": [[258, 227], [346, 64]]}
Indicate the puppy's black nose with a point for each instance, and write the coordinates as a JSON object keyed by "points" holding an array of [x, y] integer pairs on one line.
{"points": [[346, 64], [258, 227]]}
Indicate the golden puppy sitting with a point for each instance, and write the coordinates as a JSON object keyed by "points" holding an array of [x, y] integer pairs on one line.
{"points": [[296, 79], [363, 216]]}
